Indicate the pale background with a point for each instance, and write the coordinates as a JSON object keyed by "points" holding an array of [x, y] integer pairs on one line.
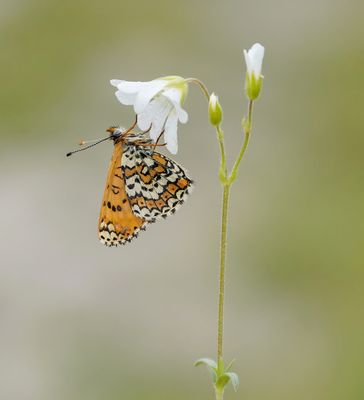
{"points": [[79, 321]]}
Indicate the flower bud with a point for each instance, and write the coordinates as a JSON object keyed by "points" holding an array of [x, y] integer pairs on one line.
{"points": [[254, 78], [215, 110]]}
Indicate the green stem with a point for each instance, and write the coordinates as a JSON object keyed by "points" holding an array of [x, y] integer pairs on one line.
{"points": [[224, 220], [227, 182], [223, 169], [219, 393], [247, 125], [201, 85]]}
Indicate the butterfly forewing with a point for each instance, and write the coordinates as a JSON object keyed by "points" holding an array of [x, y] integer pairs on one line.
{"points": [[156, 186], [118, 223]]}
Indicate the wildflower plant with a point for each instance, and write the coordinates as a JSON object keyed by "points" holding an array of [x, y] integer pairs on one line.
{"points": [[158, 106]]}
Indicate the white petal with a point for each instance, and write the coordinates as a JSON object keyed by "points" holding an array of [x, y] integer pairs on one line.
{"points": [[125, 98], [127, 91], [160, 116], [131, 87], [248, 63], [182, 115], [115, 82], [151, 113], [213, 101], [145, 117], [174, 95], [170, 133], [255, 55], [147, 92]]}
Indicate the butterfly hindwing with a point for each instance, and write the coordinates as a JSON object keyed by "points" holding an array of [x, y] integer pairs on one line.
{"points": [[142, 186], [118, 224], [156, 186]]}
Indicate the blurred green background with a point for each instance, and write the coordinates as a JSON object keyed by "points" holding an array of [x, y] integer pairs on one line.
{"points": [[81, 321]]}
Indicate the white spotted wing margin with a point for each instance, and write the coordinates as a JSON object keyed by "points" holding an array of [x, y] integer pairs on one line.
{"points": [[156, 185]]}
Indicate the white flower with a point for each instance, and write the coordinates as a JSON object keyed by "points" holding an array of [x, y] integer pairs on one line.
{"points": [[254, 60], [158, 105]]}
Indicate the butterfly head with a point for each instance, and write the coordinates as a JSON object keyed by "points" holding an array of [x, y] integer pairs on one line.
{"points": [[128, 136], [116, 133]]}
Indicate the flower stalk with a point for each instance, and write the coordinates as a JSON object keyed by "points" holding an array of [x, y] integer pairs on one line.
{"points": [[201, 86], [247, 125], [222, 376], [227, 181], [223, 240]]}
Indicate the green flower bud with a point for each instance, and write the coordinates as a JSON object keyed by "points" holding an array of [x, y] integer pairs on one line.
{"points": [[253, 86], [215, 110]]}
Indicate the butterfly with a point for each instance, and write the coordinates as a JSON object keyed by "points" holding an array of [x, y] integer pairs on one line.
{"points": [[142, 186]]}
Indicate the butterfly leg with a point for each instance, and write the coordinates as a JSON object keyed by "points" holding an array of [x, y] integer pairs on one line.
{"points": [[156, 143], [133, 126]]}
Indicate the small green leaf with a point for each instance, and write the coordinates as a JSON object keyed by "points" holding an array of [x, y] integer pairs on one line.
{"points": [[206, 361], [234, 380], [211, 366], [213, 374]]}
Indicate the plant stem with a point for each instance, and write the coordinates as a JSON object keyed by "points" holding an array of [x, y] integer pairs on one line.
{"points": [[219, 393], [227, 182], [223, 169], [247, 125], [224, 220], [201, 85]]}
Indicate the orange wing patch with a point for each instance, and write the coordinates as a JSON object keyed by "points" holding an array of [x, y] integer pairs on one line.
{"points": [[117, 223]]}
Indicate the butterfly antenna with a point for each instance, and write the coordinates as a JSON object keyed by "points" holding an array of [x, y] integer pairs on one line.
{"points": [[87, 147], [83, 142]]}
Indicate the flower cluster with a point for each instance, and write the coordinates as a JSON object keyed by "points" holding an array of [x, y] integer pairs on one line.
{"points": [[158, 103]]}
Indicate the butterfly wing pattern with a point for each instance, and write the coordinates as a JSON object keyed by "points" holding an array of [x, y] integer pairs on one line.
{"points": [[156, 185], [142, 186], [117, 222]]}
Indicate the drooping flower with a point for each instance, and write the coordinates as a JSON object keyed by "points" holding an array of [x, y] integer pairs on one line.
{"points": [[254, 78], [158, 105]]}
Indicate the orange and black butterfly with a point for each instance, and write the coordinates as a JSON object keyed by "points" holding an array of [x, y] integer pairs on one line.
{"points": [[142, 186]]}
